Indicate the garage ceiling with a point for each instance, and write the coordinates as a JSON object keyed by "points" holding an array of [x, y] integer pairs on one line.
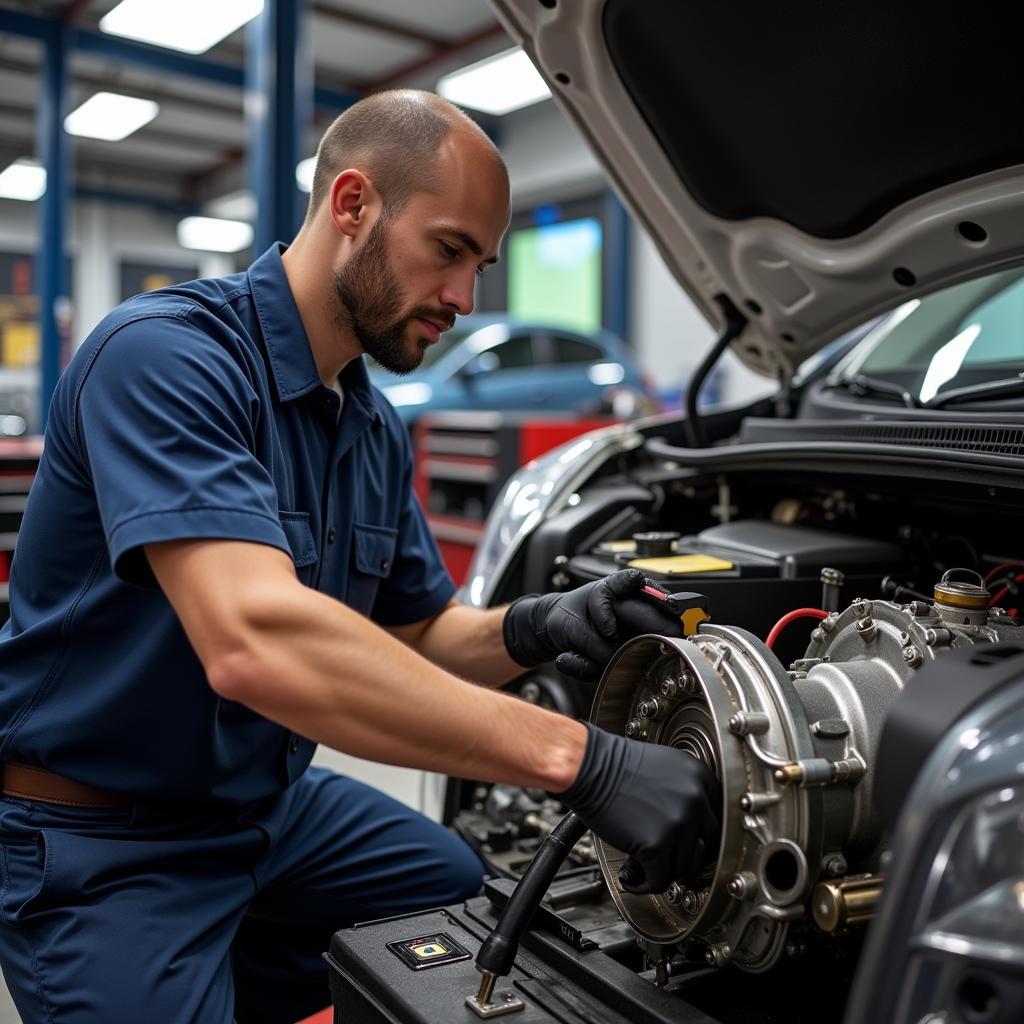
{"points": [[195, 148]]}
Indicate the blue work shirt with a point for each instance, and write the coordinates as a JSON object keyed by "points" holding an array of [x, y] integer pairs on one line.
{"points": [[195, 411]]}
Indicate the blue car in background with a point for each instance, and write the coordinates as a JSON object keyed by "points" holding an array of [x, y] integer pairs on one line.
{"points": [[491, 362]]}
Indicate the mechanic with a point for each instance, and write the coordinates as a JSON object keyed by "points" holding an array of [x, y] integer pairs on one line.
{"points": [[222, 564]]}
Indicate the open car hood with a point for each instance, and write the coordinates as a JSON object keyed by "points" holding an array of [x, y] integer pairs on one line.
{"points": [[813, 163]]}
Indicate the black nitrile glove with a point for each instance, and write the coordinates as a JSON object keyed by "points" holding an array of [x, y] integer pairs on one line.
{"points": [[583, 628], [657, 804]]}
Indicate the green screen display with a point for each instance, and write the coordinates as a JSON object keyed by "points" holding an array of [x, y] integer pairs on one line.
{"points": [[554, 274]]}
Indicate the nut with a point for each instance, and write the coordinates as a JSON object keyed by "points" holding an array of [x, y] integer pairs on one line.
{"points": [[717, 954], [835, 865]]}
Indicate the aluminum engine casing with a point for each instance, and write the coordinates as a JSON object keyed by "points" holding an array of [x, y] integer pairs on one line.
{"points": [[794, 752]]}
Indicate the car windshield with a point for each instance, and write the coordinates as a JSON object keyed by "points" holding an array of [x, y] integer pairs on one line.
{"points": [[440, 348], [962, 336]]}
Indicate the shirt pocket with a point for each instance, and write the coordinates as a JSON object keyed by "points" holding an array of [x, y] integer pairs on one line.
{"points": [[300, 540], [373, 554]]}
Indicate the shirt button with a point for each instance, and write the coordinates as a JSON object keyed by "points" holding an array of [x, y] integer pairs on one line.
{"points": [[331, 534], [384, 565], [294, 745]]}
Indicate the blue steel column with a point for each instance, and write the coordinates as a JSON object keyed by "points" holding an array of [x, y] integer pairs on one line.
{"points": [[616, 266], [279, 103], [54, 154]]}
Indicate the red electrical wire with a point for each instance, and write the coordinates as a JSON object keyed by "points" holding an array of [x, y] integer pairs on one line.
{"points": [[799, 613], [1019, 578], [992, 573]]}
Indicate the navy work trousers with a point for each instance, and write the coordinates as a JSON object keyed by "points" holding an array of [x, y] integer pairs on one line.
{"points": [[149, 915]]}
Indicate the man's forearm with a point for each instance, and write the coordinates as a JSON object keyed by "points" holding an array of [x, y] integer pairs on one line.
{"points": [[333, 676], [468, 642]]}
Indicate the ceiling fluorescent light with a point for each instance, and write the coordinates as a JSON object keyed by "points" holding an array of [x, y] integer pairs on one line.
{"points": [[213, 235], [110, 116], [192, 26], [304, 173], [240, 205], [24, 179], [497, 85]]}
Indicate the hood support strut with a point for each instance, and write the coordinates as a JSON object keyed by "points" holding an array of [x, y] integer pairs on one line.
{"points": [[735, 321]]}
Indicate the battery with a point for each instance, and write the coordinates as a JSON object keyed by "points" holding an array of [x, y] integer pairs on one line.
{"points": [[571, 982]]}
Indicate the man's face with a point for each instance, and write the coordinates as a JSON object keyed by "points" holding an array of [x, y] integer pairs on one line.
{"points": [[414, 273]]}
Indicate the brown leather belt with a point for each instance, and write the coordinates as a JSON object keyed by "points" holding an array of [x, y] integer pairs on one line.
{"points": [[31, 783]]}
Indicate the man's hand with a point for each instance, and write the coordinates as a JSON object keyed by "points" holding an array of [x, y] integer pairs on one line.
{"points": [[583, 628], [659, 805]]}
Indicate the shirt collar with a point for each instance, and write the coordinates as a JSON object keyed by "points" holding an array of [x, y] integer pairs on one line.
{"points": [[291, 358], [355, 383]]}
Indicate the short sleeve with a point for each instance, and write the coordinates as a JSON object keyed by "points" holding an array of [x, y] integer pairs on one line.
{"points": [[165, 425], [419, 585]]}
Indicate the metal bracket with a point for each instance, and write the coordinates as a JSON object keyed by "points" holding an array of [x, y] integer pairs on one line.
{"points": [[500, 1003]]}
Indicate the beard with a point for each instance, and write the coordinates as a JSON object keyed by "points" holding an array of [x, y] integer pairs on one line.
{"points": [[368, 302]]}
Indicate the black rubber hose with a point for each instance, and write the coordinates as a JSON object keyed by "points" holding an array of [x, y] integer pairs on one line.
{"points": [[499, 949], [735, 321]]}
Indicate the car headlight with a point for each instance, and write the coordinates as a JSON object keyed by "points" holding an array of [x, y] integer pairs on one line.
{"points": [[537, 491], [948, 943]]}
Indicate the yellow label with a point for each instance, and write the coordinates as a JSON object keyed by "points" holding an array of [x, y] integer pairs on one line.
{"points": [[428, 950], [681, 565], [692, 618]]}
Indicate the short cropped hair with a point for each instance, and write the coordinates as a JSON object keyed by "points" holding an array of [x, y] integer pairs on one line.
{"points": [[393, 137]]}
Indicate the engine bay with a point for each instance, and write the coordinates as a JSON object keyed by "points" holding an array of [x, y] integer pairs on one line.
{"points": [[824, 600]]}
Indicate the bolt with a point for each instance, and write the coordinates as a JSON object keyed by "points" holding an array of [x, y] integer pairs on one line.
{"points": [[717, 954], [912, 656], [757, 802], [650, 708], [673, 894], [530, 692], [690, 901], [818, 635], [632, 727], [997, 612], [742, 885], [669, 688], [835, 865], [687, 683], [861, 608], [745, 722], [867, 628]]}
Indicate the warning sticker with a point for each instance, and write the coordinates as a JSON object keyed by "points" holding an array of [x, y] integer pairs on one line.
{"points": [[429, 951]]}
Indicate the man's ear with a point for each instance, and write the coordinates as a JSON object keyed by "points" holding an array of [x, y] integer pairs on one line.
{"points": [[353, 202]]}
